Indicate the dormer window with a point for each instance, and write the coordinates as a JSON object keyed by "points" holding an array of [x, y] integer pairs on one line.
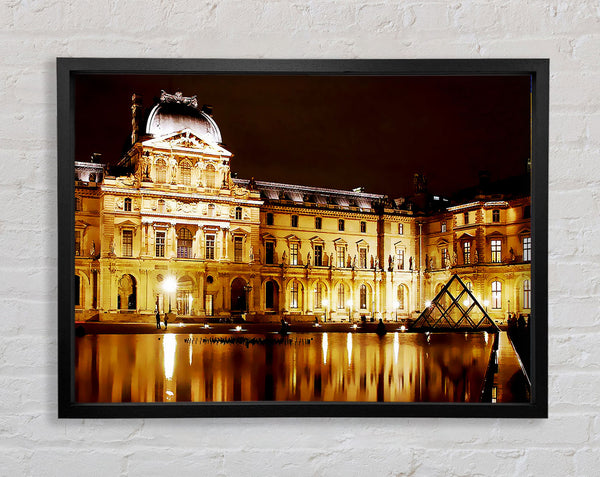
{"points": [[495, 215], [127, 205], [294, 221], [238, 213], [269, 218], [341, 225]]}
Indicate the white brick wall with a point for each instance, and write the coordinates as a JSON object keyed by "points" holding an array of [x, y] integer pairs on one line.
{"points": [[33, 33]]}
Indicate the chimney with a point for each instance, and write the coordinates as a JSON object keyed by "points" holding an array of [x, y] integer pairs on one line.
{"points": [[136, 115]]}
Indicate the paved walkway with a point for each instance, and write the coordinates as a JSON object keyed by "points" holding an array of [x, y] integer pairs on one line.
{"points": [[510, 381]]}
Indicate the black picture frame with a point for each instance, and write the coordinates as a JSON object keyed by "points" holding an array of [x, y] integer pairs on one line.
{"points": [[69, 68]]}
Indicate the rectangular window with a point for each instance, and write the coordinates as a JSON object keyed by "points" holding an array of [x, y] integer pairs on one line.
{"points": [[269, 218], [495, 215], [77, 243], [363, 227], [341, 298], [210, 247], [160, 244], [294, 295], [400, 257], [341, 257], [127, 205], [362, 253], [467, 253], [443, 227], [444, 257], [294, 221], [496, 295], [400, 229], [318, 296], [318, 255], [127, 248], [318, 222], [238, 213], [527, 294], [466, 217], [341, 225], [527, 249], [496, 251], [269, 253], [237, 249], [293, 254]]}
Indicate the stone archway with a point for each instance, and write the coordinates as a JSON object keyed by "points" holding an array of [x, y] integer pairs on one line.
{"points": [[238, 295], [271, 295], [127, 297]]}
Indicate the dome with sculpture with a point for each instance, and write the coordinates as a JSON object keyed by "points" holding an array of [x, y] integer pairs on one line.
{"points": [[176, 112]]}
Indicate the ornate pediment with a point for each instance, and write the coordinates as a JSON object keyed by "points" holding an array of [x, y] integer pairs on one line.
{"points": [[188, 141]]}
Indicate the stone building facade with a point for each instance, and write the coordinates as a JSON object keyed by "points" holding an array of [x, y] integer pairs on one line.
{"points": [[173, 229]]}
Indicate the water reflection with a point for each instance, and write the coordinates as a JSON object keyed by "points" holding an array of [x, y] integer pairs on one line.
{"points": [[399, 367]]}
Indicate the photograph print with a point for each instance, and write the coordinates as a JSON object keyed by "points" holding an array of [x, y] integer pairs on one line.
{"points": [[302, 238]]}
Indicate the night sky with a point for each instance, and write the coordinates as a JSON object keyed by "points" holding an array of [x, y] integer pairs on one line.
{"points": [[334, 131]]}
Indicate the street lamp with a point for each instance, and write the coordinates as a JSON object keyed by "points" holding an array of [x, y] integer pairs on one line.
{"points": [[169, 286], [349, 303], [325, 304]]}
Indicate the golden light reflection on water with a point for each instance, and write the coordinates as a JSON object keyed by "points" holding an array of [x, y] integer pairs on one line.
{"points": [[399, 367]]}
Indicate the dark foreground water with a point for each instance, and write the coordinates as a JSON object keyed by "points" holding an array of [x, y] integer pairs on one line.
{"points": [[401, 367]]}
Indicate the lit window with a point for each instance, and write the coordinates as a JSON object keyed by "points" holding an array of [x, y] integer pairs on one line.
{"points": [[496, 251], [400, 258], [527, 294], [363, 297], [318, 295], [184, 244], [341, 297], [466, 217], [495, 215], [77, 243], [318, 255], [496, 295], [294, 221], [238, 213], [527, 249], [160, 244], [269, 253], [269, 218], [341, 257], [318, 223], [400, 229], [186, 173], [237, 248], [362, 254], [444, 257], [467, 252], [401, 297], [127, 248], [127, 205], [161, 171], [293, 254], [363, 227], [341, 225], [294, 295], [210, 247], [443, 227]]}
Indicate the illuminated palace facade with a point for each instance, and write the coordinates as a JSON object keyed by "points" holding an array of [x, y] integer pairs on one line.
{"points": [[172, 212]]}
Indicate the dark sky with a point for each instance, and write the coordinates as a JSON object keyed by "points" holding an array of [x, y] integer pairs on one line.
{"points": [[334, 131]]}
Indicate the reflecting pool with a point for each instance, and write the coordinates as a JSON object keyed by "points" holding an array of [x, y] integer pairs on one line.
{"points": [[171, 367]]}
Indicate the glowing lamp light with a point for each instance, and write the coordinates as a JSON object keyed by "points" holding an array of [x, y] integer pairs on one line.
{"points": [[355, 326], [427, 304], [466, 302], [325, 302], [170, 284], [238, 328], [349, 302], [396, 304], [403, 328]]}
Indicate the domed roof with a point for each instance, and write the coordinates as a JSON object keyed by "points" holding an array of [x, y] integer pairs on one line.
{"points": [[176, 112]]}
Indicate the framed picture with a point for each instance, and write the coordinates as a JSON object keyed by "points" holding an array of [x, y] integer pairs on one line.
{"points": [[302, 237]]}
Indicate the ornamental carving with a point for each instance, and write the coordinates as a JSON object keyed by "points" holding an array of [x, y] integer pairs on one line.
{"points": [[179, 98]]}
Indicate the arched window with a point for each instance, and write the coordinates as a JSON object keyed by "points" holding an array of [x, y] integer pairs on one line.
{"points": [[238, 213], [211, 210], [496, 295], [400, 297], [127, 205], [294, 293], [527, 294], [161, 205], [184, 243], [363, 297], [185, 169], [341, 297], [210, 175], [318, 295], [161, 171]]}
